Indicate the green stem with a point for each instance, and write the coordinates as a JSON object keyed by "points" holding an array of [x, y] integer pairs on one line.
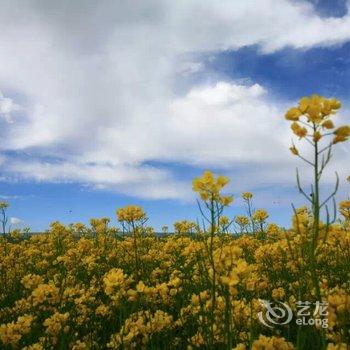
{"points": [[137, 265], [316, 231], [211, 249]]}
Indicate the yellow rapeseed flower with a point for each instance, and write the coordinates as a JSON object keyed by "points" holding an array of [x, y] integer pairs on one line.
{"points": [[298, 130], [317, 136], [224, 220], [56, 323], [226, 200], [3, 205], [294, 150], [344, 209], [293, 114], [209, 187], [247, 195], [328, 124], [276, 343], [339, 138], [343, 131], [341, 134], [184, 226], [242, 220], [131, 213], [316, 109], [260, 215], [304, 104]]}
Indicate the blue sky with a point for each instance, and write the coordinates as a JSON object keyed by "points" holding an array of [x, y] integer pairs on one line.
{"points": [[97, 111], [291, 73]]}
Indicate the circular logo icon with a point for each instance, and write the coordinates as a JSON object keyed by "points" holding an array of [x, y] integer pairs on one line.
{"points": [[276, 313]]}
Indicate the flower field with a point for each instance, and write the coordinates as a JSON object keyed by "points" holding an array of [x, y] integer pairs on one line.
{"points": [[202, 287]]}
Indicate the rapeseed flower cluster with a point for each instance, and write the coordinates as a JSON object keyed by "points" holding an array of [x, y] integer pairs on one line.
{"points": [[70, 290], [209, 188], [131, 213], [312, 119]]}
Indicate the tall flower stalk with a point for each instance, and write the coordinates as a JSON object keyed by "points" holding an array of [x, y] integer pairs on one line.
{"points": [[3, 217], [133, 218], [312, 122], [212, 202]]}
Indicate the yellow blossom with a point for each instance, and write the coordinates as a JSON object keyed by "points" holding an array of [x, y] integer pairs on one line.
{"points": [[247, 195], [260, 215], [209, 188], [55, 323], [299, 130], [242, 220], [3, 205], [317, 136], [11, 333], [31, 281], [224, 220], [184, 226], [226, 200], [328, 124], [294, 150], [343, 131], [341, 134], [79, 345], [344, 209], [278, 293], [131, 213], [293, 114], [273, 343]]}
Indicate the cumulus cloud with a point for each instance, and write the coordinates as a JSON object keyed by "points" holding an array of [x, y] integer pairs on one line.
{"points": [[95, 82], [221, 124]]}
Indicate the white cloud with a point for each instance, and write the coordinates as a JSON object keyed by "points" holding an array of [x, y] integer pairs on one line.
{"points": [[188, 68], [15, 221], [96, 88], [221, 124], [7, 107], [141, 181], [4, 196]]}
